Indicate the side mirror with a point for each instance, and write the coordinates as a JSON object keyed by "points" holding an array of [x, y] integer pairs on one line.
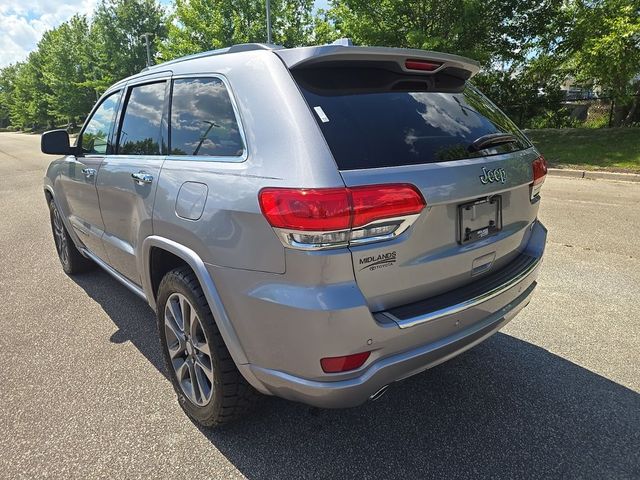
{"points": [[56, 142]]}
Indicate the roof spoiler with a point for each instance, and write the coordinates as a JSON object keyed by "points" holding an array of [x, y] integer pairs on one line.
{"points": [[406, 60]]}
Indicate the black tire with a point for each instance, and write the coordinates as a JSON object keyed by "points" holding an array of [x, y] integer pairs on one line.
{"points": [[231, 397], [70, 257]]}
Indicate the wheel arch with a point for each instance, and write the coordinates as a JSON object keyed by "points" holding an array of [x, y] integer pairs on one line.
{"points": [[150, 247], [48, 193], [49, 196]]}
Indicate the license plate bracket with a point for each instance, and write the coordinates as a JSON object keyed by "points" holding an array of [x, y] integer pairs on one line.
{"points": [[479, 219]]}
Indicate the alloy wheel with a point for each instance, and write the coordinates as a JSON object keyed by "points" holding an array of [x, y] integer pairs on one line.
{"points": [[189, 349], [60, 237]]}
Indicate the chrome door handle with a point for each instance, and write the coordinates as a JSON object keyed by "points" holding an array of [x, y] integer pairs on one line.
{"points": [[142, 178], [89, 172]]}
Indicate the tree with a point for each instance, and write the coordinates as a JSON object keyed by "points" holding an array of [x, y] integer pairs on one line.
{"points": [[488, 31], [603, 47], [528, 94], [324, 30], [29, 106], [7, 86], [200, 25], [65, 65], [117, 50]]}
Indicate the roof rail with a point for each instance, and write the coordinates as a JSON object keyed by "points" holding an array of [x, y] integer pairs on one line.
{"points": [[241, 47]]}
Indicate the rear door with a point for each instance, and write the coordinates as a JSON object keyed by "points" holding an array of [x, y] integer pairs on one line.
{"points": [[128, 179], [471, 164], [78, 177]]}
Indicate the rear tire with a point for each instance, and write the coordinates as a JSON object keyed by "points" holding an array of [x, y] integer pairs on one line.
{"points": [[209, 387], [70, 257]]}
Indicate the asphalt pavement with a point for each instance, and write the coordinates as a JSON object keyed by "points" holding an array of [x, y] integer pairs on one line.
{"points": [[83, 392]]}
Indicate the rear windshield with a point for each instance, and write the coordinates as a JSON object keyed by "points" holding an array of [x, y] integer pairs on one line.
{"points": [[377, 118]]}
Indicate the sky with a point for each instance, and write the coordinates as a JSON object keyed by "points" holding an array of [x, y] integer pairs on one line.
{"points": [[22, 22]]}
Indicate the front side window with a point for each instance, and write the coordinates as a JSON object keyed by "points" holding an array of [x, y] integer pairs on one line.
{"points": [[202, 119], [95, 137], [140, 131]]}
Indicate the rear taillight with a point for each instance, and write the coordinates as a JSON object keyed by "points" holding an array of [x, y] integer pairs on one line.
{"points": [[539, 166], [337, 217], [344, 364], [307, 209]]}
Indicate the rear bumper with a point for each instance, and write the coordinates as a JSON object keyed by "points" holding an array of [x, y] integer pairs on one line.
{"points": [[355, 391], [513, 294], [290, 339]]}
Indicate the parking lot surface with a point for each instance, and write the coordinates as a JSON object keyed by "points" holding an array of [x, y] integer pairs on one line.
{"points": [[83, 392]]}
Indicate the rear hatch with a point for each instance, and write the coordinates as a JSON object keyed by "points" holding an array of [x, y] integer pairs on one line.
{"points": [[390, 121]]}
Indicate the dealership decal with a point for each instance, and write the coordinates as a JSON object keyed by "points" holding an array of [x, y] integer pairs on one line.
{"points": [[376, 262]]}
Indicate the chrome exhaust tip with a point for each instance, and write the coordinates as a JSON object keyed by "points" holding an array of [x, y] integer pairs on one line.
{"points": [[379, 393]]}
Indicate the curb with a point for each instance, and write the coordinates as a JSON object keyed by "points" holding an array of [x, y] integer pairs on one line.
{"points": [[594, 175]]}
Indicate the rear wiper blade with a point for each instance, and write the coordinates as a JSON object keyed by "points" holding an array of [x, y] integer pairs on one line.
{"points": [[492, 140]]}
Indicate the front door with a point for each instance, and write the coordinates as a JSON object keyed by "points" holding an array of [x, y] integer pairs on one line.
{"points": [[128, 179], [79, 175]]}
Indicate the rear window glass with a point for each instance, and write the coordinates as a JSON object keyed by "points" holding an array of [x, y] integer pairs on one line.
{"points": [[377, 118], [140, 130], [202, 119]]}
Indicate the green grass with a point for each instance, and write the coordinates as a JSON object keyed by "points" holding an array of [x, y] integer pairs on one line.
{"points": [[611, 149]]}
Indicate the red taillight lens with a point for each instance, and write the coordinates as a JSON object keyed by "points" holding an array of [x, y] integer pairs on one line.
{"points": [[539, 170], [345, 363], [326, 209], [423, 65], [377, 202], [335, 217], [306, 209], [539, 166]]}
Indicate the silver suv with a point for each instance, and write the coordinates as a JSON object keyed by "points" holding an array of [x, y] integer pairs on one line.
{"points": [[313, 223]]}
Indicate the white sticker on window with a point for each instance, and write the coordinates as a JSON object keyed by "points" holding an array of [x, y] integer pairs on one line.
{"points": [[321, 114]]}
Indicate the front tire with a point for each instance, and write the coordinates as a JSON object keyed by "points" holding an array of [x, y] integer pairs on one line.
{"points": [[209, 387], [70, 257]]}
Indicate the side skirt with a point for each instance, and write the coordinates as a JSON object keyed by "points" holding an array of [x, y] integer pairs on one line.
{"points": [[123, 280]]}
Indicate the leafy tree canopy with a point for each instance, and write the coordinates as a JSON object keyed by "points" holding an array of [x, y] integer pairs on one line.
{"points": [[526, 48], [487, 30], [65, 66], [117, 49], [200, 25]]}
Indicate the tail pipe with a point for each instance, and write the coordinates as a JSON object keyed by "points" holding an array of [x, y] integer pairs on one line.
{"points": [[379, 393]]}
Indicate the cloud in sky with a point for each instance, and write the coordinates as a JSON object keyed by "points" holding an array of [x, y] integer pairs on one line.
{"points": [[22, 23]]}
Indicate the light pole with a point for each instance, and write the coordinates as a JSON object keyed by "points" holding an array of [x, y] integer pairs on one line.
{"points": [[146, 39], [268, 21]]}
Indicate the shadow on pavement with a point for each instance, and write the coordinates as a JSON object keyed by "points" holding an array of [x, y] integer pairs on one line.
{"points": [[505, 409], [134, 318]]}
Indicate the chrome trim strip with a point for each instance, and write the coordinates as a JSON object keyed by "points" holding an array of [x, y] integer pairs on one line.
{"points": [[470, 303], [118, 243], [403, 223], [84, 228], [124, 281]]}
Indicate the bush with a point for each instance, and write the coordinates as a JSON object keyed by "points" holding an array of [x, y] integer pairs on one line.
{"points": [[560, 118], [597, 122]]}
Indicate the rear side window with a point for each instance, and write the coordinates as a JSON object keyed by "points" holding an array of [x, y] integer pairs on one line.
{"points": [[377, 118], [95, 137], [203, 122], [140, 130]]}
